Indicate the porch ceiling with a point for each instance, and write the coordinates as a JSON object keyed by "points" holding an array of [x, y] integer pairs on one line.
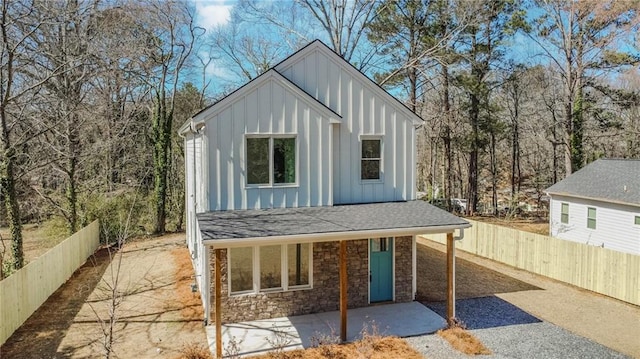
{"points": [[411, 217]]}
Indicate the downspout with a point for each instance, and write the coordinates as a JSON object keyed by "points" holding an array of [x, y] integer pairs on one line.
{"points": [[194, 130]]}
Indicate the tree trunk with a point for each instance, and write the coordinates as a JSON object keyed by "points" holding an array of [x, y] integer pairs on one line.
{"points": [[9, 193], [72, 184], [577, 151], [446, 107], [494, 174], [472, 196], [8, 155], [161, 151], [515, 150]]}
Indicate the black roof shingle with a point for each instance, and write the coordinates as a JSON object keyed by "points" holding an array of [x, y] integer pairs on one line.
{"points": [[281, 222]]}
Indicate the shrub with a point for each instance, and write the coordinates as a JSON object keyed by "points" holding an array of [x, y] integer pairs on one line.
{"points": [[195, 351], [118, 212]]}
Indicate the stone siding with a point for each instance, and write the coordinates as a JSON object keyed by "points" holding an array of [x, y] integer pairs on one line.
{"points": [[325, 294], [404, 265]]}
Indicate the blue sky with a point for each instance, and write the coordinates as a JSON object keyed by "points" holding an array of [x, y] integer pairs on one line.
{"points": [[213, 13]]}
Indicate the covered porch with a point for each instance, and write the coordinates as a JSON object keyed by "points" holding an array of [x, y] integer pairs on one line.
{"points": [[339, 227], [304, 331]]}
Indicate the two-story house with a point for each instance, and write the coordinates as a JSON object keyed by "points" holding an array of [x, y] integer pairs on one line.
{"points": [[301, 194]]}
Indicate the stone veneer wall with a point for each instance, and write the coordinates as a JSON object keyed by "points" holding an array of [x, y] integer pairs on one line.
{"points": [[404, 272], [325, 294]]}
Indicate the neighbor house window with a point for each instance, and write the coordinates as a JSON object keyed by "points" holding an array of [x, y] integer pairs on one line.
{"points": [[274, 267], [564, 214], [241, 269], [271, 160], [591, 218], [637, 220], [370, 162]]}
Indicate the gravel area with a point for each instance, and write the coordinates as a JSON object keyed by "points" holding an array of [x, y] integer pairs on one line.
{"points": [[492, 295], [510, 332]]}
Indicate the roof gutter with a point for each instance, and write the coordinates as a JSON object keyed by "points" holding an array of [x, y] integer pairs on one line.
{"points": [[333, 236]]}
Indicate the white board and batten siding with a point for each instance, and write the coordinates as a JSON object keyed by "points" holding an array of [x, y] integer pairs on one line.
{"points": [[270, 106], [615, 223], [367, 112], [196, 198]]}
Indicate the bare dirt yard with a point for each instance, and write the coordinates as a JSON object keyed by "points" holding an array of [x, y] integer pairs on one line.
{"points": [[529, 297], [156, 316]]}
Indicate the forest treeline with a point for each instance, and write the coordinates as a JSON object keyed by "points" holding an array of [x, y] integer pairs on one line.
{"points": [[515, 95]]}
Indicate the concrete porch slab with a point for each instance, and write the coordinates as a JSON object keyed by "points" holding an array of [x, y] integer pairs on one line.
{"points": [[258, 336]]}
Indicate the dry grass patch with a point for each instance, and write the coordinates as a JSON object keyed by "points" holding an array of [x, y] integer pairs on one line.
{"points": [[372, 347], [189, 301], [463, 341], [195, 351]]}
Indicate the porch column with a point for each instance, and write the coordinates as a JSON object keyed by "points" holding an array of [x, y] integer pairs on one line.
{"points": [[343, 291], [451, 278], [217, 305]]}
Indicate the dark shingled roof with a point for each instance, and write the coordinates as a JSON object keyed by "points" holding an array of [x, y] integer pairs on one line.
{"points": [[609, 180], [257, 223]]}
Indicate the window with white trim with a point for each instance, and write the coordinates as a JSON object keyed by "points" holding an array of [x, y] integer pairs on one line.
{"points": [[564, 213], [591, 217], [241, 269], [270, 268], [371, 155], [271, 160], [636, 220]]}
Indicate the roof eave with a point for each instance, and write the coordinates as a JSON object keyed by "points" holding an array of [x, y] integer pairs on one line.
{"points": [[186, 127], [606, 200], [332, 116], [332, 236]]}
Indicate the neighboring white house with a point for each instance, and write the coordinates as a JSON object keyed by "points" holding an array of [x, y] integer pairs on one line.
{"points": [[599, 205], [303, 174]]}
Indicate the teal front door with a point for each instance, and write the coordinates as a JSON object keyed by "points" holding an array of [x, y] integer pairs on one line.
{"points": [[380, 269]]}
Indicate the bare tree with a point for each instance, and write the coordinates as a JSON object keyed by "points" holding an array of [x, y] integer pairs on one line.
{"points": [[170, 42], [245, 55], [65, 43], [580, 37], [345, 23], [20, 22]]}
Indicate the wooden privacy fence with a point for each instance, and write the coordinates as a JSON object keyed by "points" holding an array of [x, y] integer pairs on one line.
{"points": [[601, 270], [23, 292]]}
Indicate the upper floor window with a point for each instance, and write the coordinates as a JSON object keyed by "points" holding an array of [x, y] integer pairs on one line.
{"points": [[591, 217], [637, 220], [271, 160], [370, 162], [564, 213]]}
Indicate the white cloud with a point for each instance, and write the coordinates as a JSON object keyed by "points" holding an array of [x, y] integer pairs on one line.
{"points": [[213, 13]]}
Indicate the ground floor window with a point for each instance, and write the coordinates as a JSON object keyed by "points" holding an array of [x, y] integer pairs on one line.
{"points": [[270, 268], [241, 269], [298, 263]]}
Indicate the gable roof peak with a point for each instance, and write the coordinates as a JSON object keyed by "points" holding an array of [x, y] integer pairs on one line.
{"points": [[319, 45]]}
